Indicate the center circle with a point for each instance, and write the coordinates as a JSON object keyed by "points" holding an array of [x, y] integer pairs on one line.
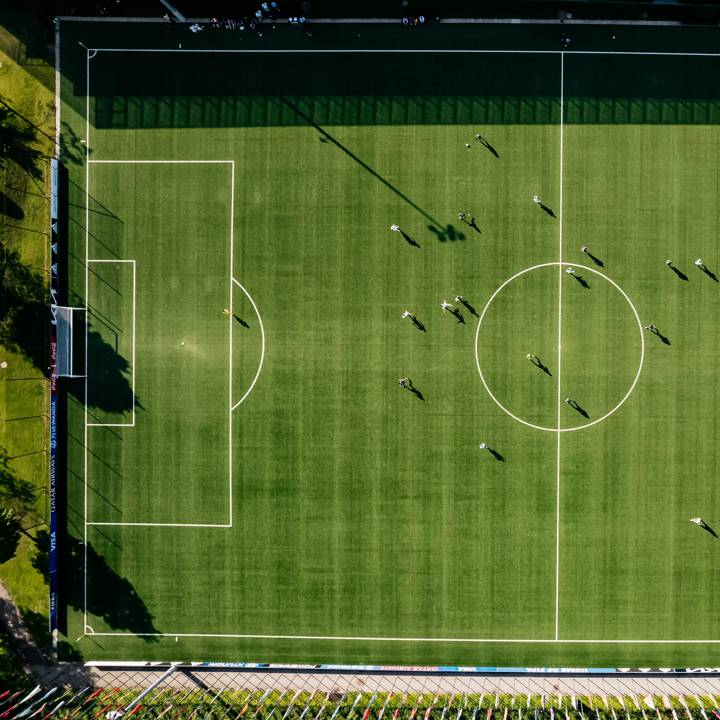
{"points": [[560, 266]]}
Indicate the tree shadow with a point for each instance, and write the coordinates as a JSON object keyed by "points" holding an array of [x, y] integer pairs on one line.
{"points": [[23, 309], [16, 143], [14, 491], [108, 378], [447, 233], [110, 596], [37, 624], [72, 147], [10, 208], [325, 134]]}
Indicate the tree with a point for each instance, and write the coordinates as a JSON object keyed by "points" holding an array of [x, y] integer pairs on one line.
{"points": [[9, 534]]}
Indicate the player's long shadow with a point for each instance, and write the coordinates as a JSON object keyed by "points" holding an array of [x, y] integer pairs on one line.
{"points": [[496, 455], [541, 366], [360, 162], [416, 392], [579, 409], [679, 273], [409, 240], [418, 324], [710, 274], [596, 260], [110, 596], [706, 527], [484, 142], [469, 307], [582, 281], [663, 338], [241, 321], [458, 316], [547, 210]]}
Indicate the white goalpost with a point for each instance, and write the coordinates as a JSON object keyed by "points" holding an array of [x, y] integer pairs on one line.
{"points": [[70, 341]]}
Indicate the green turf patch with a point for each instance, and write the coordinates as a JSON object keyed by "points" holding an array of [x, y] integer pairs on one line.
{"points": [[255, 483]]}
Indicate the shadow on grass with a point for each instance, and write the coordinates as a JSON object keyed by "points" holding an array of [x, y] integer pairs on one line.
{"points": [[16, 142], [110, 596], [23, 309], [109, 384], [14, 492], [37, 624], [10, 208]]}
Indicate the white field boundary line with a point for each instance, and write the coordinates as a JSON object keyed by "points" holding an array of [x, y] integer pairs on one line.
{"points": [[416, 51], [87, 287], [232, 407], [132, 376], [559, 358], [371, 638], [228, 524]]}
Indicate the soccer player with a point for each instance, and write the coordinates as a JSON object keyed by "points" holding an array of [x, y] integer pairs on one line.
{"points": [[467, 145], [447, 306], [584, 249], [700, 263], [395, 228], [651, 328], [698, 521], [536, 200], [568, 401], [570, 271], [461, 217], [669, 263], [483, 446], [226, 312], [407, 314], [532, 357], [479, 137], [404, 382]]}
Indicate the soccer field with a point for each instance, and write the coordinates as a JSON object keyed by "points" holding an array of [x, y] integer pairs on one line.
{"points": [[246, 479]]}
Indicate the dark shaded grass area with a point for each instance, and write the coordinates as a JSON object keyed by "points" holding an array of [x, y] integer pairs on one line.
{"points": [[177, 89]]}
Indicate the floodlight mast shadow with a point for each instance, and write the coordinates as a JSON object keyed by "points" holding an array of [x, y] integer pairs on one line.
{"points": [[363, 164]]}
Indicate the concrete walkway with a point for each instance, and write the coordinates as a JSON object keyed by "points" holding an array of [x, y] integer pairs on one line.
{"points": [[19, 637]]}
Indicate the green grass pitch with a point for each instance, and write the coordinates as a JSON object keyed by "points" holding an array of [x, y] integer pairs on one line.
{"points": [[259, 487]]}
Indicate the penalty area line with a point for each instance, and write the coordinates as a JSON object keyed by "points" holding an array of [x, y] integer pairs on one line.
{"points": [[156, 524]]}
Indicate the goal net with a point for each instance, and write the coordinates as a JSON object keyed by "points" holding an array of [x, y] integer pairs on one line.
{"points": [[70, 341]]}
